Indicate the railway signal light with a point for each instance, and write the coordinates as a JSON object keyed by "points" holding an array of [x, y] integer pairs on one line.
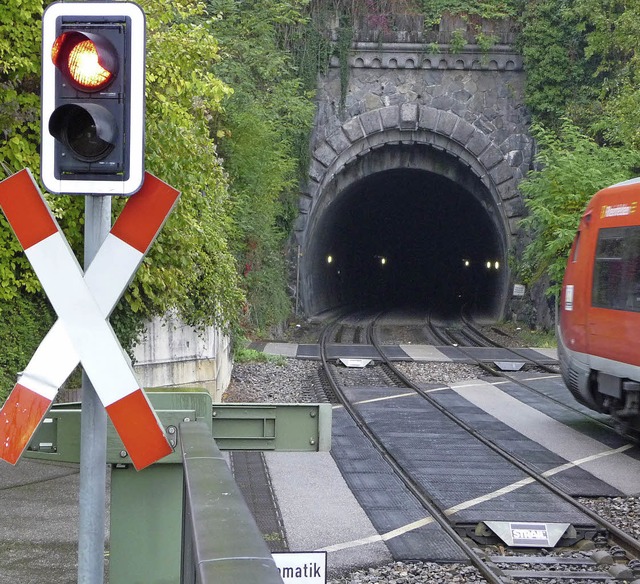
{"points": [[93, 98]]}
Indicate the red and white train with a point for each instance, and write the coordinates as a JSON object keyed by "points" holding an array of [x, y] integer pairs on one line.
{"points": [[599, 311]]}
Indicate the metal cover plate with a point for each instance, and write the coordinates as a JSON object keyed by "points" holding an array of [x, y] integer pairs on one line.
{"points": [[528, 534], [359, 363], [509, 365]]}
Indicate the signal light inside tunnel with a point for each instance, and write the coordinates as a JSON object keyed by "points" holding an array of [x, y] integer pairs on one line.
{"points": [[93, 98]]}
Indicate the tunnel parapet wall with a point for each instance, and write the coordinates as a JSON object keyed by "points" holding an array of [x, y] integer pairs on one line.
{"points": [[463, 111], [469, 104]]}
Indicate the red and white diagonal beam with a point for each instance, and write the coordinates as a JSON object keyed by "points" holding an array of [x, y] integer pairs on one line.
{"points": [[83, 304]]}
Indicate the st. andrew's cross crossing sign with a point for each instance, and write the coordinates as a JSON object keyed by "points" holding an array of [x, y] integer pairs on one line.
{"points": [[83, 303]]}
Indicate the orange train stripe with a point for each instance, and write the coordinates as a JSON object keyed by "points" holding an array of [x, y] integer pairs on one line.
{"points": [[19, 418]]}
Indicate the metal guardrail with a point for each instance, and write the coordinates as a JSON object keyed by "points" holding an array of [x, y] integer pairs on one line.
{"points": [[279, 427], [221, 542], [148, 507]]}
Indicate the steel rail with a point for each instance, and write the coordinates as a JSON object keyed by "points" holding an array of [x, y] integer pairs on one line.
{"points": [[411, 485], [468, 323], [633, 437], [630, 544]]}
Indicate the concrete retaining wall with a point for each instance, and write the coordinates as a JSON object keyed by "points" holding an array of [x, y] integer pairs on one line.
{"points": [[175, 355]]}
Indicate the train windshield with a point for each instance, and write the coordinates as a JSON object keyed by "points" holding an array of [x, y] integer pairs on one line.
{"points": [[616, 276]]}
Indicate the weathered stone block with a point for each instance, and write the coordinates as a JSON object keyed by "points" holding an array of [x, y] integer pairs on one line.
{"points": [[390, 116], [491, 157], [514, 207], [371, 122], [477, 143], [501, 173], [304, 204], [409, 115], [428, 117], [443, 102], [515, 158], [446, 123], [324, 154], [300, 223], [316, 170], [372, 101], [462, 132], [353, 129], [338, 141]]}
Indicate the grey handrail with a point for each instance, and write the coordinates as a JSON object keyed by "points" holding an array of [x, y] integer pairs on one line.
{"points": [[221, 542]]}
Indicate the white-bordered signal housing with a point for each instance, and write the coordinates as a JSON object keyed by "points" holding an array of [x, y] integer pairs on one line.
{"points": [[125, 185]]}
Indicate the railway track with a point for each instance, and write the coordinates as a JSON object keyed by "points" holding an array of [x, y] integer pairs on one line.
{"points": [[468, 331], [495, 563]]}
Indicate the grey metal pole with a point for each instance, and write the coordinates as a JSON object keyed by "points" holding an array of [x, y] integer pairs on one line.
{"points": [[93, 427]]}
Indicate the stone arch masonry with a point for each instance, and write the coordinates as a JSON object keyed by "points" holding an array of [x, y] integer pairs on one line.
{"points": [[469, 105]]}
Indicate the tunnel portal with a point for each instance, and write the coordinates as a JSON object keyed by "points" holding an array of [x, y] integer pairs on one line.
{"points": [[395, 232]]}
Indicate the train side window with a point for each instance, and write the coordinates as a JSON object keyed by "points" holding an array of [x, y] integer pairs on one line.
{"points": [[616, 274], [576, 248]]}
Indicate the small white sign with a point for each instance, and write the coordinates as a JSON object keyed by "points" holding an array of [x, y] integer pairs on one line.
{"points": [[518, 289], [529, 534], [302, 567]]}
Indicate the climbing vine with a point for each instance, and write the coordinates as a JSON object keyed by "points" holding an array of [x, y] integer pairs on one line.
{"points": [[331, 27]]}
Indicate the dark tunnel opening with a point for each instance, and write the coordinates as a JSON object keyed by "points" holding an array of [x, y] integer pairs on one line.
{"points": [[412, 239]]}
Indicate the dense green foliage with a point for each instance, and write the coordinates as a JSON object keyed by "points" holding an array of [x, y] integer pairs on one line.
{"points": [[498, 9], [574, 168], [23, 323], [227, 119], [583, 91], [190, 268], [19, 124], [265, 125], [559, 77]]}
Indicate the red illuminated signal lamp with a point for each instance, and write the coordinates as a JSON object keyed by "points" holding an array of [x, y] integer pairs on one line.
{"points": [[88, 60], [93, 73]]}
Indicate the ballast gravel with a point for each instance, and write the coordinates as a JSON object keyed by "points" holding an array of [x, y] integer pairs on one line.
{"points": [[277, 381], [412, 573], [297, 380]]}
